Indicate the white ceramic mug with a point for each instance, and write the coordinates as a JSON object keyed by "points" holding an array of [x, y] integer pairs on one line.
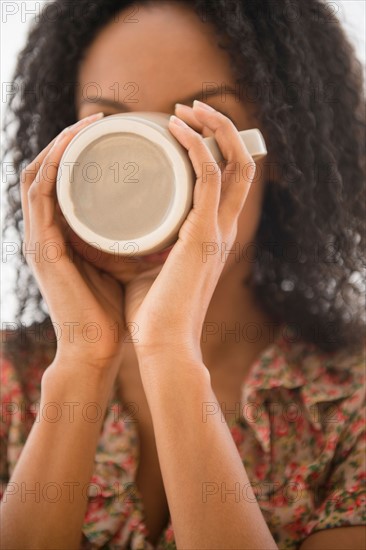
{"points": [[125, 181]]}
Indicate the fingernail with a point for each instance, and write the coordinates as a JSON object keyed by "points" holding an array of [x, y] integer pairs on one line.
{"points": [[197, 103], [91, 117], [178, 121], [67, 131], [64, 133], [97, 115]]}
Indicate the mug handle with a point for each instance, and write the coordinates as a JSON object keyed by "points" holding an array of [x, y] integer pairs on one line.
{"points": [[253, 140]]}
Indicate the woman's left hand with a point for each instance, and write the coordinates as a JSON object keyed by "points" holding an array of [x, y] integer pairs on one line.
{"points": [[168, 304]]}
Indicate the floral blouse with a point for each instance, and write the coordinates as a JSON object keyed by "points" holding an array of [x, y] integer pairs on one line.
{"points": [[300, 433]]}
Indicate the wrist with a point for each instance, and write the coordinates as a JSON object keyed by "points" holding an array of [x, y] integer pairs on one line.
{"points": [[167, 378], [181, 352], [73, 379], [171, 363], [71, 364]]}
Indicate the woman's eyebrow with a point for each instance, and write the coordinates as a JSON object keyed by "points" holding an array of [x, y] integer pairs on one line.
{"points": [[204, 94], [200, 95], [123, 106], [107, 103]]}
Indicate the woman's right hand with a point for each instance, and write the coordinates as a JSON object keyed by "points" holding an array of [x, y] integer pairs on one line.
{"points": [[86, 305]]}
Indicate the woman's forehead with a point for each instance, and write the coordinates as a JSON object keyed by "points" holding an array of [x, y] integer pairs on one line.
{"points": [[168, 50]]}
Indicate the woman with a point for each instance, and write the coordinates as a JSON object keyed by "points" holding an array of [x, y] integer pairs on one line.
{"points": [[231, 415]]}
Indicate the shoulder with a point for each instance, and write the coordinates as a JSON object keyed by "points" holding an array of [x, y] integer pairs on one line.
{"points": [[328, 393], [335, 396], [340, 496], [25, 353], [327, 375], [319, 447], [319, 376], [332, 386]]}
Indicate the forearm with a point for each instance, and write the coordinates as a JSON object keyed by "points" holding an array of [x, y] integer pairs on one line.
{"points": [[199, 461], [46, 498]]}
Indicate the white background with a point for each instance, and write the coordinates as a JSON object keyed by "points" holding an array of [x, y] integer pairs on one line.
{"points": [[16, 17]]}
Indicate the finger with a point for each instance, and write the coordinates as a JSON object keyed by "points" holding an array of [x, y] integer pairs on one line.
{"points": [[240, 167], [225, 133], [207, 189], [29, 173], [41, 195], [187, 114], [26, 177]]}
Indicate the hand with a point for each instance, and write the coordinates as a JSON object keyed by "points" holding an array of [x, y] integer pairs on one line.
{"points": [[85, 304], [169, 303]]}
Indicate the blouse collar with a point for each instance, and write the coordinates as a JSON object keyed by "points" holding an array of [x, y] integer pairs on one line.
{"points": [[290, 362]]}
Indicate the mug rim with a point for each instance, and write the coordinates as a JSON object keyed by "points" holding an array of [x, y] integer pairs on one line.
{"points": [[161, 137]]}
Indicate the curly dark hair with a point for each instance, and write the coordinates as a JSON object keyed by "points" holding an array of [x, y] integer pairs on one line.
{"points": [[295, 58]]}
